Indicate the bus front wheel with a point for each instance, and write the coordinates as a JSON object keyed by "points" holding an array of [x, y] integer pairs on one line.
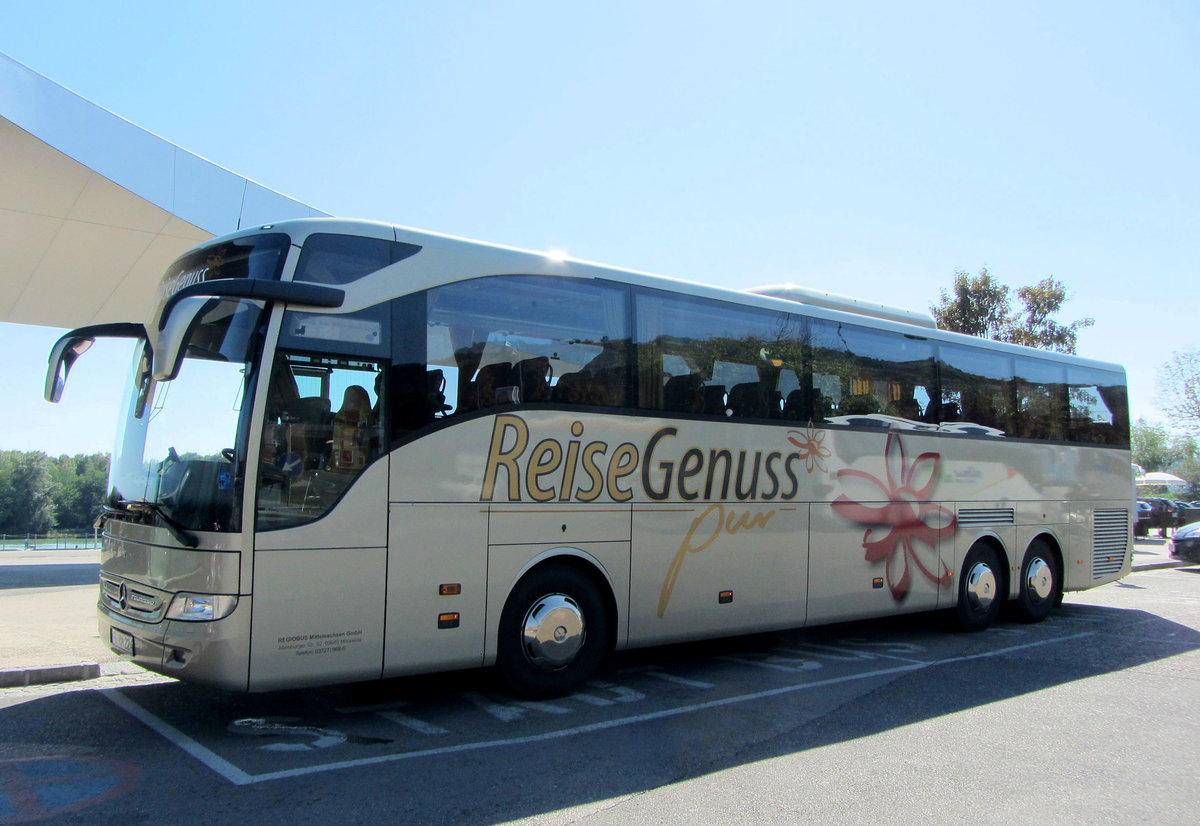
{"points": [[980, 588], [552, 632], [1041, 583]]}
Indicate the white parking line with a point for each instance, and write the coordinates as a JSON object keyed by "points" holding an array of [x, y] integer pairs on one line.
{"points": [[241, 778], [671, 678], [419, 726], [218, 764]]}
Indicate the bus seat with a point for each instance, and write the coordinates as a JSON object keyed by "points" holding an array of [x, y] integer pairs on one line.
{"points": [[794, 408], [356, 407], [609, 387], [748, 399], [714, 399], [571, 388], [494, 385], [532, 375], [435, 391], [307, 410], [306, 424], [417, 396], [684, 394]]}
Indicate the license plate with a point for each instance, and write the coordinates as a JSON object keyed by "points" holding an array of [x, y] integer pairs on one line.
{"points": [[120, 640]]}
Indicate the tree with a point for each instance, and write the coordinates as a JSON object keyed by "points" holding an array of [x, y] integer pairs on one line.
{"points": [[1151, 446], [979, 306], [982, 306], [1035, 326], [1179, 389], [80, 483], [27, 501]]}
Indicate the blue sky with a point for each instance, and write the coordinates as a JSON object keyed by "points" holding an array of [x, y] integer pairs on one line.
{"points": [[866, 148]]}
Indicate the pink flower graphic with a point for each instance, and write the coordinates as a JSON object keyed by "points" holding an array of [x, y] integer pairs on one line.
{"points": [[903, 520]]}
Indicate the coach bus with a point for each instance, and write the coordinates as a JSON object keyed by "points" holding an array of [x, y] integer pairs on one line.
{"points": [[354, 451]]}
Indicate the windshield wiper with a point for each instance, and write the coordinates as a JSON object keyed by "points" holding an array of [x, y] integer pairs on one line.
{"points": [[182, 534]]}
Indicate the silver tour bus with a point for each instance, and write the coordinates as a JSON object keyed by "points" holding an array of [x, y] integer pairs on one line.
{"points": [[353, 451]]}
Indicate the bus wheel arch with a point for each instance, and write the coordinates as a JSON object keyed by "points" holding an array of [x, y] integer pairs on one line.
{"points": [[1040, 580], [982, 585], [557, 625]]}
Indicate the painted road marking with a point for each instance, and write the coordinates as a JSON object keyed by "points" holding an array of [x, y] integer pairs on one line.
{"points": [[671, 678], [419, 726], [320, 738], [34, 788], [775, 662], [239, 777]]}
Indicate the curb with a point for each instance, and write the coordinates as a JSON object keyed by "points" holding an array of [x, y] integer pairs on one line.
{"points": [[49, 674], [1159, 566], [89, 671]]}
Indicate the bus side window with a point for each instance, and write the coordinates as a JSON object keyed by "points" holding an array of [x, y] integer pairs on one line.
{"points": [[310, 453]]}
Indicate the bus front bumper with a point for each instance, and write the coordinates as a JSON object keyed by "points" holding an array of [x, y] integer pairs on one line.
{"points": [[213, 653]]}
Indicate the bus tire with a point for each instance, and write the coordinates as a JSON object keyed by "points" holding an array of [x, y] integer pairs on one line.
{"points": [[980, 588], [1040, 588], [553, 632]]}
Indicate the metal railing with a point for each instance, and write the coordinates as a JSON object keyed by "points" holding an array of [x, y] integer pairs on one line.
{"points": [[58, 540]]}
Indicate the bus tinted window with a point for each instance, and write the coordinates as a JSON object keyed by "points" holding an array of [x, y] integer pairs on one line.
{"points": [[323, 427], [868, 377], [976, 389], [340, 259], [509, 340], [710, 358], [1041, 402], [502, 341], [1098, 401]]}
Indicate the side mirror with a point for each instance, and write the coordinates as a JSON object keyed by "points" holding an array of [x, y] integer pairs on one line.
{"points": [[142, 381], [177, 328], [66, 350], [73, 345]]}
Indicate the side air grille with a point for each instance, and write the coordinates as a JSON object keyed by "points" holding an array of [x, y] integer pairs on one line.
{"points": [[1110, 541], [984, 517]]}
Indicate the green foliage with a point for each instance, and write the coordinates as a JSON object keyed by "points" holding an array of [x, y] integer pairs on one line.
{"points": [[982, 306], [1152, 447], [978, 306], [39, 494], [1157, 449]]}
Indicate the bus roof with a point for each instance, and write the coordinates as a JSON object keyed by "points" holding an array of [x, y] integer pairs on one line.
{"points": [[460, 258]]}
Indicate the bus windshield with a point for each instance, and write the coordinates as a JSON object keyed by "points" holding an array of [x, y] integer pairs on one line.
{"points": [[183, 451]]}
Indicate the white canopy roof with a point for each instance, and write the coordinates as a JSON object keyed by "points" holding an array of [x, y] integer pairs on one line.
{"points": [[93, 208]]}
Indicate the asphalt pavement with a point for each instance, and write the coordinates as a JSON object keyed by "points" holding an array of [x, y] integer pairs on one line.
{"points": [[48, 613]]}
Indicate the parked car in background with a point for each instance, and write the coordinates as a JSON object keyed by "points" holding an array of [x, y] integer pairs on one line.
{"points": [[1162, 513], [1186, 543], [1186, 513], [1145, 516]]}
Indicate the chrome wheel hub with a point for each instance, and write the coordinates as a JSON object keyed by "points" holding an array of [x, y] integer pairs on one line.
{"points": [[1039, 580], [981, 587], [553, 632]]}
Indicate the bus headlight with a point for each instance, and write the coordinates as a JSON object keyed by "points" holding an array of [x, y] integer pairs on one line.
{"points": [[201, 607]]}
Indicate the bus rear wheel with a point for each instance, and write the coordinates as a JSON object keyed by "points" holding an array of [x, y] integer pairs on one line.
{"points": [[980, 588], [553, 632], [1040, 588]]}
